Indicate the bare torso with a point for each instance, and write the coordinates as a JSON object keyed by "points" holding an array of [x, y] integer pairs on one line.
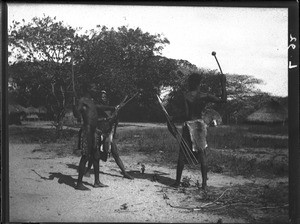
{"points": [[88, 110], [195, 103]]}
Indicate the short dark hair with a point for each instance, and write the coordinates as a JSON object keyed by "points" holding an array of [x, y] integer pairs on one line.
{"points": [[194, 80]]}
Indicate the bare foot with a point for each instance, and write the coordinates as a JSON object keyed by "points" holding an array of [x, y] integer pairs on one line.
{"points": [[99, 184], [126, 175], [81, 187]]}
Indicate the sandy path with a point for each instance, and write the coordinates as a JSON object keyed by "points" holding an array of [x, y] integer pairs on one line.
{"points": [[42, 189]]}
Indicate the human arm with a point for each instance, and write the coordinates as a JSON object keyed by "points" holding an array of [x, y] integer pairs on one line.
{"points": [[105, 107], [223, 98]]}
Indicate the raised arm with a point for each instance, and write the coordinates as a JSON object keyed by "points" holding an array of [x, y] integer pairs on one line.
{"points": [[223, 99]]}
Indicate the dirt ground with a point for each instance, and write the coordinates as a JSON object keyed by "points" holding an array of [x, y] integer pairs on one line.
{"points": [[42, 184]]}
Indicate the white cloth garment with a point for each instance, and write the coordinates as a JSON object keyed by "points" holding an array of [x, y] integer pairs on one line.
{"points": [[198, 132]]}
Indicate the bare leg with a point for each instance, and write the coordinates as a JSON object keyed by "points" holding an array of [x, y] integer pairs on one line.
{"points": [[80, 147], [181, 157], [79, 139], [115, 128], [96, 170], [202, 159], [180, 166], [87, 171], [82, 163], [115, 154], [92, 150], [94, 160]]}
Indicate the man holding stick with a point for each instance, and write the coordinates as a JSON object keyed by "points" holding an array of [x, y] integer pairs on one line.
{"points": [[88, 110], [106, 127], [193, 139]]}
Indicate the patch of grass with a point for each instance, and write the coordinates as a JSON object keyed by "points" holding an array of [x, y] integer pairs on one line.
{"points": [[148, 140], [38, 135], [47, 139], [235, 137], [270, 129], [223, 154], [222, 161]]}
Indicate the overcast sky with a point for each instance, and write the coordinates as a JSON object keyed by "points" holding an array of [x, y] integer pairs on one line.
{"points": [[248, 41]]}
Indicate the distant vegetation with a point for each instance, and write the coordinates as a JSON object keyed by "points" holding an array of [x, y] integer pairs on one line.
{"points": [[43, 53]]}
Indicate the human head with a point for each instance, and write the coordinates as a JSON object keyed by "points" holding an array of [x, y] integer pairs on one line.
{"points": [[194, 81], [104, 96]]}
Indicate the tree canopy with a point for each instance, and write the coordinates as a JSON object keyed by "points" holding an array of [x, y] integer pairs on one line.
{"points": [[45, 53]]}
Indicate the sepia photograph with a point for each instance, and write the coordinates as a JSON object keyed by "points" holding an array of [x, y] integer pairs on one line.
{"points": [[148, 113]]}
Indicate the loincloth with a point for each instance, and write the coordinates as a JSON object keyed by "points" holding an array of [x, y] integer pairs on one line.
{"points": [[198, 132], [102, 144], [99, 150]]}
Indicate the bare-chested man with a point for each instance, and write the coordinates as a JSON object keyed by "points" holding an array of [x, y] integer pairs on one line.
{"points": [[108, 130], [89, 111], [194, 129]]}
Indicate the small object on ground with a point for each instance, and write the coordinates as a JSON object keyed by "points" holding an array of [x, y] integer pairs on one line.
{"points": [[186, 182], [143, 169], [124, 206]]}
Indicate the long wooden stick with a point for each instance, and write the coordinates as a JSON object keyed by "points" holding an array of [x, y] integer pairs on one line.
{"points": [[186, 149], [214, 54], [222, 84]]}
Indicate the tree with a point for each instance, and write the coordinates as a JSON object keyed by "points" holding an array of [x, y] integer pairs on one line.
{"points": [[124, 61], [43, 48]]}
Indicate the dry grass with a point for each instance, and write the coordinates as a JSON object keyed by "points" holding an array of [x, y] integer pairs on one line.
{"points": [[236, 152]]}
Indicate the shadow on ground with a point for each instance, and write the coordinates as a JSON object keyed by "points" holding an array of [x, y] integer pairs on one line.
{"points": [[75, 167], [62, 179], [156, 176]]}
